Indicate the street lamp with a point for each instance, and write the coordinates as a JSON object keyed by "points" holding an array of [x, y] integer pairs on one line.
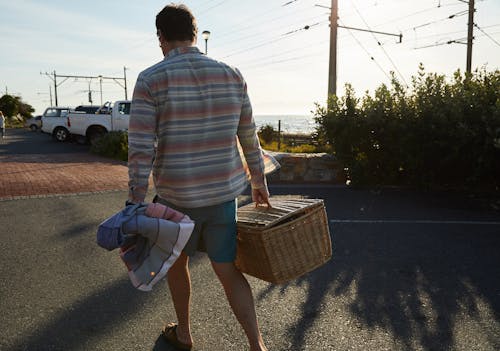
{"points": [[205, 35]]}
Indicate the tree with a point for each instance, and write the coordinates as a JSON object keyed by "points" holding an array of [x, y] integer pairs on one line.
{"points": [[13, 105]]}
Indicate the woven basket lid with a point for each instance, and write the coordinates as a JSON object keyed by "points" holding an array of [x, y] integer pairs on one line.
{"points": [[262, 216]]}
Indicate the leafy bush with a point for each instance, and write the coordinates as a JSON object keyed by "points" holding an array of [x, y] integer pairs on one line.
{"points": [[267, 133], [113, 144], [436, 134], [13, 105]]}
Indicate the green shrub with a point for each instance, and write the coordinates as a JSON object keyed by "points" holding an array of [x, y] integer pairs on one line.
{"points": [[434, 134], [112, 144], [267, 133]]}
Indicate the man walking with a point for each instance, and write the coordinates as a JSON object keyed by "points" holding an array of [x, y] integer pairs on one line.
{"points": [[196, 110]]}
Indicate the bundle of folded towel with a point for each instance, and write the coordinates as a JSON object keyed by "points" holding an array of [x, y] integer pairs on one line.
{"points": [[150, 237]]}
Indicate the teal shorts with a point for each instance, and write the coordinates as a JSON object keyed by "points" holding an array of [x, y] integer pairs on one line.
{"points": [[214, 231]]}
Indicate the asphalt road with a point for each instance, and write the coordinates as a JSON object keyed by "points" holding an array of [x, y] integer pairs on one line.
{"points": [[24, 141], [409, 271]]}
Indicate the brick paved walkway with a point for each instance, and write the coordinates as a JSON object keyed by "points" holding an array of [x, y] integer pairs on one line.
{"points": [[43, 175]]}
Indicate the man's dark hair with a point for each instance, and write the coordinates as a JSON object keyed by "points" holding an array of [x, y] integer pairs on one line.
{"points": [[176, 22]]}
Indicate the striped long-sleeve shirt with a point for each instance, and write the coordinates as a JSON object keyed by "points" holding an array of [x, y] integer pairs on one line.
{"points": [[196, 108]]}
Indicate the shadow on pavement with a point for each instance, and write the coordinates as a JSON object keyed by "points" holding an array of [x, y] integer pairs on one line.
{"points": [[78, 324], [413, 284], [23, 141]]}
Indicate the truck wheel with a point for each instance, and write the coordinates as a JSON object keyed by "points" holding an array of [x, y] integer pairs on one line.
{"points": [[60, 134], [95, 135], [33, 127]]}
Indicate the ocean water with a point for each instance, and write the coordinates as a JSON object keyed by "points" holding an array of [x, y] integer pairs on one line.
{"points": [[293, 124]]}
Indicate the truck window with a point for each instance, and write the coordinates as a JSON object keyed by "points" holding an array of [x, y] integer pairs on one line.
{"points": [[124, 108], [52, 113], [56, 112]]}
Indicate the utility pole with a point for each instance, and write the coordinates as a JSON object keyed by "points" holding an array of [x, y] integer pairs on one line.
{"points": [[125, 80], [55, 87], [90, 93], [50, 94], [54, 77], [470, 36], [332, 72]]}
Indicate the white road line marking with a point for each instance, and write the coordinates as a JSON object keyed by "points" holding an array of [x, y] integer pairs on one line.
{"points": [[411, 221]]}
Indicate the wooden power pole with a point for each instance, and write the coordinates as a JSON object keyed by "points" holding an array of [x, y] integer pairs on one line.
{"points": [[332, 72], [470, 37]]}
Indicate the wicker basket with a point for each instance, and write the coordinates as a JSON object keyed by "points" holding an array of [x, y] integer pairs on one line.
{"points": [[284, 242]]}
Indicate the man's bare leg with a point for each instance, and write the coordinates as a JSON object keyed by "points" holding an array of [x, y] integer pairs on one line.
{"points": [[239, 295], [179, 282]]}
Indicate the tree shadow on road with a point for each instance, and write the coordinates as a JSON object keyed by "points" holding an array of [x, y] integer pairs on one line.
{"points": [[85, 320], [412, 283]]}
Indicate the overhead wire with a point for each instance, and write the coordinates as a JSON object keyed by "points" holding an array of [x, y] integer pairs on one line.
{"points": [[273, 62], [458, 14], [272, 58], [454, 41], [307, 27], [412, 15], [202, 12], [490, 37], [262, 20], [265, 31], [367, 52], [282, 37], [379, 44]]}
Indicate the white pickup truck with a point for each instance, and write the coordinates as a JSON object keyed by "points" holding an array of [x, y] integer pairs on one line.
{"points": [[109, 117]]}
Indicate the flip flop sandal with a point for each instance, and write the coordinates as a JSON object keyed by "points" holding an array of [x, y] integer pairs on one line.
{"points": [[169, 332]]}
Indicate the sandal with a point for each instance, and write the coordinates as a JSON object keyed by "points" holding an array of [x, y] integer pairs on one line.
{"points": [[169, 332]]}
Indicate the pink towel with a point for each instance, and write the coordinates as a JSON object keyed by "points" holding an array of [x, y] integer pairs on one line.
{"points": [[161, 211]]}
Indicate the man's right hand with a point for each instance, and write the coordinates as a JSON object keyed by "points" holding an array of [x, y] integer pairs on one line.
{"points": [[261, 197]]}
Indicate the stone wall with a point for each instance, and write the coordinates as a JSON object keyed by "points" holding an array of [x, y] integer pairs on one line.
{"points": [[308, 168]]}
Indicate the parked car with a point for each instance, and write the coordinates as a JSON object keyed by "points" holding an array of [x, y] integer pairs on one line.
{"points": [[54, 122], [34, 123], [109, 117]]}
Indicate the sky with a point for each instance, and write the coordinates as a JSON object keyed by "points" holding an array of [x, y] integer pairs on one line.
{"points": [[285, 65]]}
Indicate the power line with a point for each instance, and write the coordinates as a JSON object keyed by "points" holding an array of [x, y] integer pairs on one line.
{"points": [[271, 58], [368, 53], [258, 23], [413, 14], [458, 14], [461, 40], [284, 36], [305, 28], [496, 42], [454, 41], [295, 58], [379, 44], [266, 32], [210, 6], [214, 6]]}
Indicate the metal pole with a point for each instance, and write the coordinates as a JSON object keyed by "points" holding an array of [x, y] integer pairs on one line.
{"points": [[125, 79], [279, 135], [100, 83], [470, 36], [55, 87], [206, 46], [332, 73], [50, 94]]}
